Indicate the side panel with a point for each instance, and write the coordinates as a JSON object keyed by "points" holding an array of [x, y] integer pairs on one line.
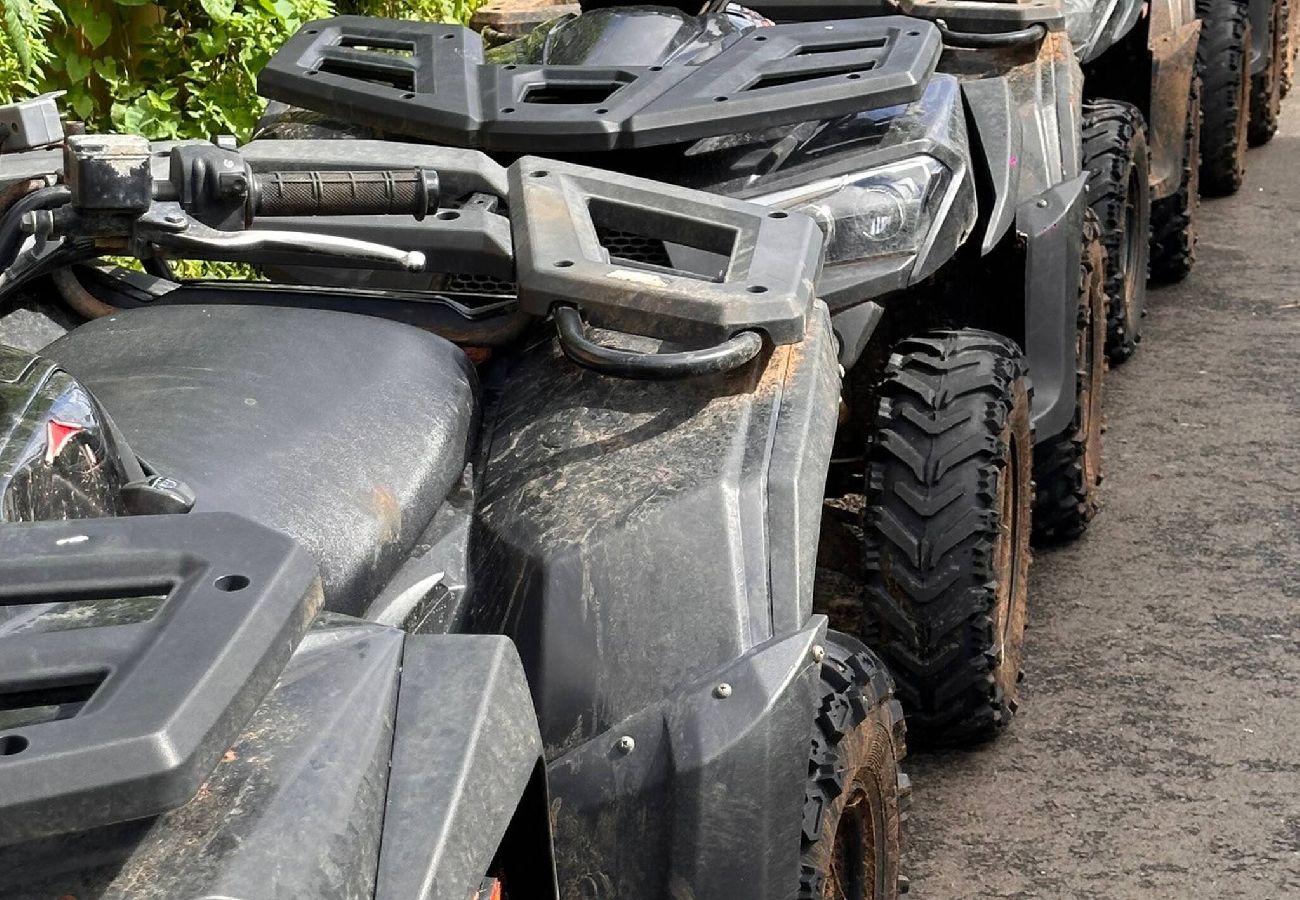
{"points": [[1024, 107], [657, 806], [1052, 225], [632, 536], [1175, 31]]}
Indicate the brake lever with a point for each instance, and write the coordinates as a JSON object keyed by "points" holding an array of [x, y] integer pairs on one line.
{"points": [[167, 227]]}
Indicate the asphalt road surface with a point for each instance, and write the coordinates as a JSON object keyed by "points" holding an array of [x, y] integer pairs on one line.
{"points": [[1157, 753]]}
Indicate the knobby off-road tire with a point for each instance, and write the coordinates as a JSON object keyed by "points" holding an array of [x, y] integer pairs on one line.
{"points": [[1223, 62], [1173, 219], [1266, 87], [947, 527], [1288, 48], [1118, 164], [1067, 466], [856, 799]]}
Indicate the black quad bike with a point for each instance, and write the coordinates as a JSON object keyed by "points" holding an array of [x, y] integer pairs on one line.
{"points": [[961, 271], [365, 592], [1141, 146]]}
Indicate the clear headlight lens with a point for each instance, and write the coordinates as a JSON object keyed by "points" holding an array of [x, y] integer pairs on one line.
{"points": [[878, 212]]}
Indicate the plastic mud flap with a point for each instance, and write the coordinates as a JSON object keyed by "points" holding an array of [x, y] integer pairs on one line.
{"points": [[700, 795], [1052, 225], [445, 824], [646, 258], [431, 82], [132, 652]]}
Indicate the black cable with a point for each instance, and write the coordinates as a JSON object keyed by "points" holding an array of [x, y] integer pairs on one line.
{"points": [[11, 234]]}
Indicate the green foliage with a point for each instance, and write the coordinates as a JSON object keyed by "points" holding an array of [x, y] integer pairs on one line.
{"points": [[432, 10], [23, 50], [165, 68]]}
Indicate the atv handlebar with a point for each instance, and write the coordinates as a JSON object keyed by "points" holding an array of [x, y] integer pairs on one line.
{"points": [[402, 192]]}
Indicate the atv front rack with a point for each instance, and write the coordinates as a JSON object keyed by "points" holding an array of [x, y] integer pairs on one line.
{"points": [[430, 82], [132, 652]]}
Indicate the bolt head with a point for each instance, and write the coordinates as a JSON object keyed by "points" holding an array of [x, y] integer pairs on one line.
{"points": [[818, 653], [625, 744], [1042, 204], [722, 691]]}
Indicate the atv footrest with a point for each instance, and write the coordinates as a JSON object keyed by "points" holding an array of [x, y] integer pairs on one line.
{"points": [[430, 81], [132, 651]]}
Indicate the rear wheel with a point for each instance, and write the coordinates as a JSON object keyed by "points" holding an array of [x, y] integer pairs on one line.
{"points": [[1223, 62], [1067, 467], [856, 798], [1173, 219], [1266, 87], [1119, 193], [947, 525]]}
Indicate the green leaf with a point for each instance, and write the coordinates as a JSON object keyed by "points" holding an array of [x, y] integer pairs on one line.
{"points": [[78, 67], [219, 10], [95, 24], [107, 69], [82, 104]]}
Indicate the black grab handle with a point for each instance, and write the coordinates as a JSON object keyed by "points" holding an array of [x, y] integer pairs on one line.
{"points": [[979, 40], [730, 354], [333, 193]]}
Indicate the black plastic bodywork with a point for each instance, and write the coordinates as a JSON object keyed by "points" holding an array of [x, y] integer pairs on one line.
{"points": [[332, 785], [167, 690], [1261, 34], [642, 543], [436, 86], [982, 115]]}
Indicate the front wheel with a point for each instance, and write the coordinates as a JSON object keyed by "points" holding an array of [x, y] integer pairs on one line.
{"points": [[1119, 193], [947, 526], [1223, 62], [1067, 466], [1173, 219], [856, 799]]}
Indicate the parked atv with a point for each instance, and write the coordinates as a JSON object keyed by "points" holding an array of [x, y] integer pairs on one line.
{"points": [[959, 270], [339, 613], [1141, 146]]}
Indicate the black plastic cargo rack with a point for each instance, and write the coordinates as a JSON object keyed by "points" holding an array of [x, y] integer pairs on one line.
{"points": [[430, 82], [132, 652]]}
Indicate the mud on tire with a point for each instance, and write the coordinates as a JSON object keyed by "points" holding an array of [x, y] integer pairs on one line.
{"points": [[1223, 62], [1173, 219], [946, 526], [856, 799], [1067, 467], [1116, 159]]}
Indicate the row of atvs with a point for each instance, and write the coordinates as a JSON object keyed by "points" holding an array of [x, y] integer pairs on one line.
{"points": [[625, 430]]}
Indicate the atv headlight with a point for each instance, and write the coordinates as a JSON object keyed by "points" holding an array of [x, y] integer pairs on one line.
{"points": [[875, 213]]}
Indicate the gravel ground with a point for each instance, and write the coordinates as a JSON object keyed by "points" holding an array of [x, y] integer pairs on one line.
{"points": [[1156, 750]]}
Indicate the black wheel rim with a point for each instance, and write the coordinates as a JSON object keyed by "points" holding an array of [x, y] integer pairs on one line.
{"points": [[858, 866]]}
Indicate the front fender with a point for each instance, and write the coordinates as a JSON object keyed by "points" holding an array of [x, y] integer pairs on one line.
{"points": [[1175, 31], [1051, 225], [698, 795]]}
